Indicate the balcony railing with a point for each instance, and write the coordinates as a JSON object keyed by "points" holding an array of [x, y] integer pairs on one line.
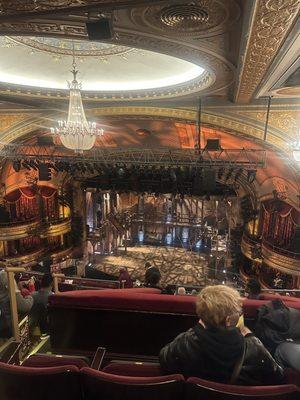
{"points": [[56, 227], [26, 259], [280, 250], [18, 230], [35, 226]]}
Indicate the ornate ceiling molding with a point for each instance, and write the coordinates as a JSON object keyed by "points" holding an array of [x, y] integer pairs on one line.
{"points": [[199, 18], [271, 22], [17, 7], [286, 121], [212, 118]]}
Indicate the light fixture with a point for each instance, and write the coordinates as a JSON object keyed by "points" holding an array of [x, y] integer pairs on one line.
{"points": [[76, 133], [296, 149]]}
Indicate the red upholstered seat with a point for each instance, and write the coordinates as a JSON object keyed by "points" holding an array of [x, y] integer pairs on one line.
{"points": [[198, 389], [45, 360], [132, 369], [25, 383], [98, 385]]}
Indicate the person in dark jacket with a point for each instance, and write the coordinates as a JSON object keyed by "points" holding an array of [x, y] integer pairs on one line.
{"points": [[215, 349], [150, 271], [253, 289]]}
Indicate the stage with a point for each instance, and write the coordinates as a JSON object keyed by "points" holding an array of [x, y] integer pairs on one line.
{"points": [[177, 265]]}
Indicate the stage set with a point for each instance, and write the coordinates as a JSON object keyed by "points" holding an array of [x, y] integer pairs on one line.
{"points": [[186, 237]]}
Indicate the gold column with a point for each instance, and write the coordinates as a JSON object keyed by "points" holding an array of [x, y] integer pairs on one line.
{"points": [[13, 301]]}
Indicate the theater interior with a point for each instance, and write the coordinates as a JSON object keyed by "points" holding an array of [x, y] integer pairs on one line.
{"points": [[134, 133]]}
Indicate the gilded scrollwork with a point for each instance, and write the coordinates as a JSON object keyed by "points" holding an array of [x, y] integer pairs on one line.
{"points": [[272, 21], [199, 18]]}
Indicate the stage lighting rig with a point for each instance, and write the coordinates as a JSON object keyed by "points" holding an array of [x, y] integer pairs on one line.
{"points": [[229, 174], [251, 175], [238, 174], [221, 172]]}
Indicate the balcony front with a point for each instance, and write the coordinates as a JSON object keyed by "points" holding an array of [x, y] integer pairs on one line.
{"points": [[18, 230], [280, 259], [250, 247], [26, 260], [56, 227]]}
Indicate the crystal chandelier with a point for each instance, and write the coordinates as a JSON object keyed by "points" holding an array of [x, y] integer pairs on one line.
{"points": [[296, 149], [76, 133]]}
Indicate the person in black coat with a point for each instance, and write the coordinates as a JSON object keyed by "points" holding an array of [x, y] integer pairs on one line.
{"points": [[216, 349], [150, 271]]}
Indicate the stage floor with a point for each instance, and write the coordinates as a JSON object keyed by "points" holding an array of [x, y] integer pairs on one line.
{"points": [[177, 265]]}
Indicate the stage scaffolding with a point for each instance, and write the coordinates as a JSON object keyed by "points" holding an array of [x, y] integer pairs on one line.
{"points": [[230, 158]]}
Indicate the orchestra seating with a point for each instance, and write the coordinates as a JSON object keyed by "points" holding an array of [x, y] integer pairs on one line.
{"points": [[124, 320]]}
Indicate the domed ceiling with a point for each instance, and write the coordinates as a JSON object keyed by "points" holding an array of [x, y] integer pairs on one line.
{"points": [[46, 62]]}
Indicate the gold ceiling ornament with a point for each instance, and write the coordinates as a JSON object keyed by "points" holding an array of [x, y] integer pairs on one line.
{"points": [[13, 7], [63, 47], [187, 19], [284, 120], [271, 23]]}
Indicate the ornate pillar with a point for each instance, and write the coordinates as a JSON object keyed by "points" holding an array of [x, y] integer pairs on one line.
{"points": [[79, 217]]}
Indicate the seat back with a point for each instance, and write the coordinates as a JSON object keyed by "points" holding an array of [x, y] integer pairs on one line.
{"points": [[102, 386], [198, 389], [25, 383], [52, 360], [130, 368]]}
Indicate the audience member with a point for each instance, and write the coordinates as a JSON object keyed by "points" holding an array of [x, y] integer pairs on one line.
{"points": [[181, 291], [124, 278], [253, 289], [153, 280], [24, 304], [149, 271], [215, 349], [38, 313], [287, 355]]}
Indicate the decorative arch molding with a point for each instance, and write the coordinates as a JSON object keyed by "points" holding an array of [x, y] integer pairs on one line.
{"points": [[210, 119]]}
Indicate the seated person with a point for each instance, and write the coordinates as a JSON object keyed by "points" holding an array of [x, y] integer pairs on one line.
{"points": [[215, 349], [287, 355], [253, 289], [38, 313], [181, 291], [149, 271], [153, 281], [124, 278], [24, 304]]}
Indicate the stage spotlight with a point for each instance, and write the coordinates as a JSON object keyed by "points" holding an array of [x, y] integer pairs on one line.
{"points": [[221, 172], [173, 175], [34, 164], [26, 165], [121, 172], [17, 165], [238, 174], [251, 174], [229, 174]]}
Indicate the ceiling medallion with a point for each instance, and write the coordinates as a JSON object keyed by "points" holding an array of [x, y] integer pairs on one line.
{"points": [[198, 17], [184, 16]]}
